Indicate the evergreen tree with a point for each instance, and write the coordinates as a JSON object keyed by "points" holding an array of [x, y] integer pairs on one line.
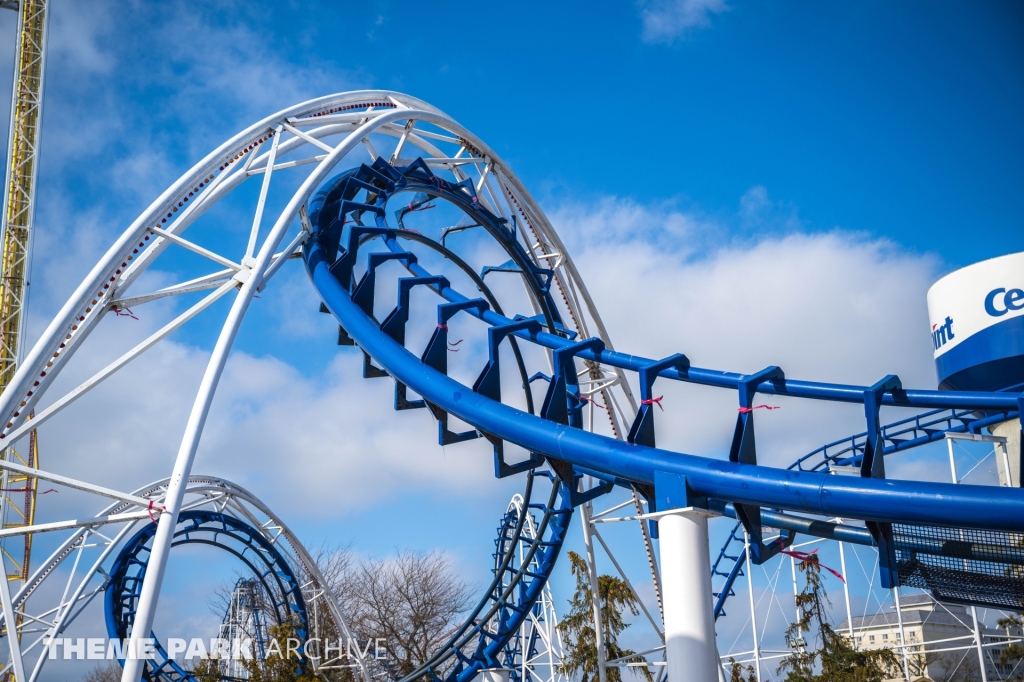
{"points": [[207, 670], [838, 660], [1013, 653], [278, 665], [577, 627], [736, 672]]}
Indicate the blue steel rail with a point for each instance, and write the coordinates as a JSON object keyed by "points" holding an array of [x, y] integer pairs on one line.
{"points": [[738, 485], [509, 599], [899, 436], [225, 532]]}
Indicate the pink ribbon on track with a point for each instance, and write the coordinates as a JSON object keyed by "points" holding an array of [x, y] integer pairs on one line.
{"points": [[653, 401], [450, 343], [27, 490], [160, 509], [124, 312], [410, 208], [745, 410], [812, 557]]}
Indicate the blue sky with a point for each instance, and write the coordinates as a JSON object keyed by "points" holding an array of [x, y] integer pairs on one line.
{"points": [[749, 183], [901, 122]]}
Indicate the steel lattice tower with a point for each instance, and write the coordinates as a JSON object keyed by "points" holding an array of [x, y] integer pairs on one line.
{"points": [[16, 234]]}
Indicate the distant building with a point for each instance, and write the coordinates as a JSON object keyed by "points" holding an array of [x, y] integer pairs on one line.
{"points": [[933, 627]]}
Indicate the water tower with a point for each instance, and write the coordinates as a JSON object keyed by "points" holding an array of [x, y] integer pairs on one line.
{"points": [[977, 326]]}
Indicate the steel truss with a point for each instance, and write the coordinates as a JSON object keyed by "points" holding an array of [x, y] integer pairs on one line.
{"points": [[535, 653], [81, 568]]}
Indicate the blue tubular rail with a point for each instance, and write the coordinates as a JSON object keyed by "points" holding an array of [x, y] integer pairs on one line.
{"points": [[737, 487], [867, 499], [921, 429]]}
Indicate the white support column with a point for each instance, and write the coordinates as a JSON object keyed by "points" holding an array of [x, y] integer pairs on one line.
{"points": [[10, 622], [846, 593], [977, 642], [903, 634], [974, 611], [796, 593], [753, 610], [157, 565], [586, 511], [146, 609], [691, 652]]}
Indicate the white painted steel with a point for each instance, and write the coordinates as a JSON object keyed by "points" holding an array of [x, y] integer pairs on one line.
{"points": [[903, 633], [588, 541], [691, 653], [753, 610], [545, 664], [82, 561]]}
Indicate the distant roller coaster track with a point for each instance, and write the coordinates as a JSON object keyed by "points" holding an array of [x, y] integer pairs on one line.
{"points": [[343, 235]]}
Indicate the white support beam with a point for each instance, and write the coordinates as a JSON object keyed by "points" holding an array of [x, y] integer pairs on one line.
{"points": [[110, 369], [312, 140], [75, 523], [195, 248], [264, 188], [75, 483], [204, 283]]}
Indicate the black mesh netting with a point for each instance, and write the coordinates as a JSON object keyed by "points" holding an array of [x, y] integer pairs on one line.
{"points": [[980, 566]]}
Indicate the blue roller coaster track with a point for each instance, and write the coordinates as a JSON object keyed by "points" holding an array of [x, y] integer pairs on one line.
{"points": [[227, 533], [918, 527]]}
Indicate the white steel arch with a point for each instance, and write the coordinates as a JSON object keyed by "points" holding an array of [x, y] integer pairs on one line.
{"points": [[80, 564], [313, 139]]}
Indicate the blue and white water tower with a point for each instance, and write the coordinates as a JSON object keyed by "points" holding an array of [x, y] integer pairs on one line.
{"points": [[977, 326]]}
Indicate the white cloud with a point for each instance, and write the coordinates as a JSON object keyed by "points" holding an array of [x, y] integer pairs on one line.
{"points": [[333, 437], [665, 21], [835, 307], [78, 32]]}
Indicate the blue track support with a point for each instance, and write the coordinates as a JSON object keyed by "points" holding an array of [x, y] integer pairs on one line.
{"points": [[744, 449], [642, 430]]}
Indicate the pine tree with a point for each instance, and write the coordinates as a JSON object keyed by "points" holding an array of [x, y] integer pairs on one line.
{"points": [[279, 666], [207, 670], [1013, 653], [577, 627], [736, 672], [839, 660]]}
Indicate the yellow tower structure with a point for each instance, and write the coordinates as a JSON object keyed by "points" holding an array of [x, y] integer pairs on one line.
{"points": [[18, 495]]}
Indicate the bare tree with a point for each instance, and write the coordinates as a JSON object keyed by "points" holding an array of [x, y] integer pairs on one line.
{"points": [[954, 666], [104, 672], [411, 603]]}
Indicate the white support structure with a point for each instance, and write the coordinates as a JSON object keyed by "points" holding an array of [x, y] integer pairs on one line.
{"points": [[950, 437], [303, 144], [691, 652], [588, 540], [541, 650], [903, 632], [846, 592], [753, 610]]}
